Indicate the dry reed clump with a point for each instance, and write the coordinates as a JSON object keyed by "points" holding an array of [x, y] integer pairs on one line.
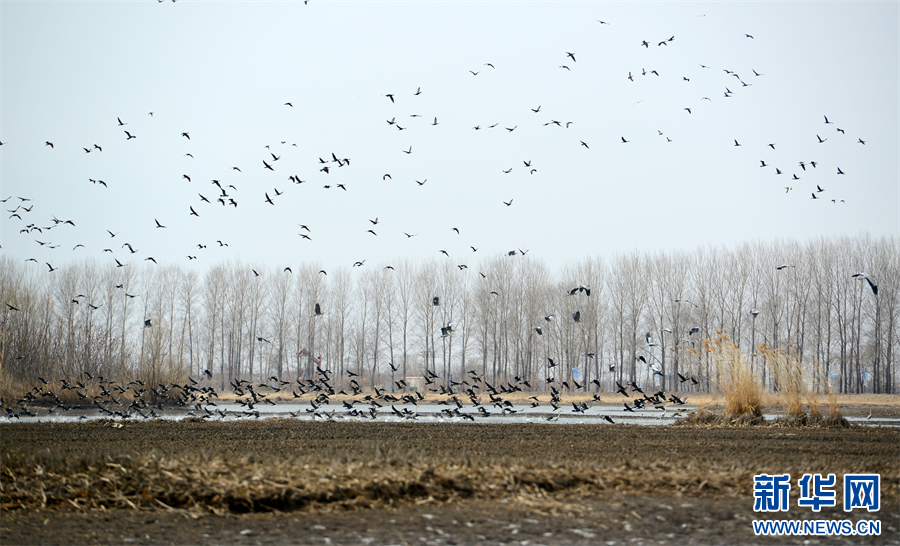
{"points": [[795, 389], [735, 378], [744, 391]]}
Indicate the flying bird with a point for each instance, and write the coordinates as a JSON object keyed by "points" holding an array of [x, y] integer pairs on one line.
{"points": [[872, 284], [158, 224]]}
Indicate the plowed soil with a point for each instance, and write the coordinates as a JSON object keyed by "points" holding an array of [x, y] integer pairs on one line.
{"points": [[283, 481]]}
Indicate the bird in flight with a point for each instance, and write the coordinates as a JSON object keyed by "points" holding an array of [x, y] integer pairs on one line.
{"points": [[872, 284], [571, 55], [130, 136], [508, 203], [185, 135], [158, 224]]}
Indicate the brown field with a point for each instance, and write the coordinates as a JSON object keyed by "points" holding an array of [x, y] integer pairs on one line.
{"points": [[287, 481]]}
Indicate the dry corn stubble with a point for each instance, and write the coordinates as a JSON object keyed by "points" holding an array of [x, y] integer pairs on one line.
{"points": [[284, 465]]}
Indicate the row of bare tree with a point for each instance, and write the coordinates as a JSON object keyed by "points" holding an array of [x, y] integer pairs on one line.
{"points": [[505, 317]]}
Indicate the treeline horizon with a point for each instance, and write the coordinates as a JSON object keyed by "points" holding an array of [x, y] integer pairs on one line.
{"points": [[508, 318]]}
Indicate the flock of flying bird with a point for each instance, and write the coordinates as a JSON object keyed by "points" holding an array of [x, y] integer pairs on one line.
{"points": [[269, 164], [199, 399], [223, 194]]}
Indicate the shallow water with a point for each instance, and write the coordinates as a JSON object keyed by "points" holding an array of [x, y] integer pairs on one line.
{"points": [[422, 413]]}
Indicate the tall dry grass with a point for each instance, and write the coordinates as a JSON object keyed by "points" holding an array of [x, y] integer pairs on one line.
{"points": [[734, 377], [793, 386]]}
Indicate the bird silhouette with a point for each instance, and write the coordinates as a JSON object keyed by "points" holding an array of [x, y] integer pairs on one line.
{"points": [[872, 284]]}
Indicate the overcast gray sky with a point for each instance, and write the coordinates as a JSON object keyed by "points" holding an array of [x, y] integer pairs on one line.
{"points": [[223, 71]]}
